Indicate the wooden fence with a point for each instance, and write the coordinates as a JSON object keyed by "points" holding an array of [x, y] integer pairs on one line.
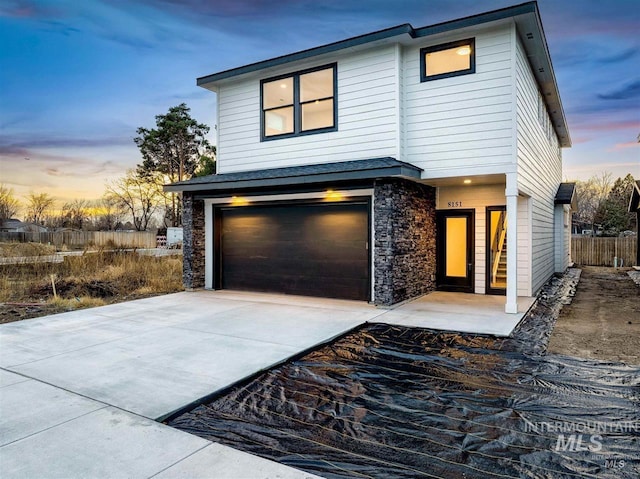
{"points": [[597, 251], [86, 239]]}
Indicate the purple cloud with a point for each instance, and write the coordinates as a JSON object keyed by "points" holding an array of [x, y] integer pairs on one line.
{"points": [[626, 92]]}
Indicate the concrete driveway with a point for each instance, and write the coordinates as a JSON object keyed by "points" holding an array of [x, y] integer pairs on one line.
{"points": [[80, 391]]}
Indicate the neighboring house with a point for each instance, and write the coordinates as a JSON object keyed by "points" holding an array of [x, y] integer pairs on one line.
{"points": [[634, 206], [16, 226], [387, 165]]}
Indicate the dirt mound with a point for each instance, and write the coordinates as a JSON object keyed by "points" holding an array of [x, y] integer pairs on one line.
{"points": [[69, 288]]}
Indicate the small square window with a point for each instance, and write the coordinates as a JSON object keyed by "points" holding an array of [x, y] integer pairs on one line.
{"points": [[448, 60]]}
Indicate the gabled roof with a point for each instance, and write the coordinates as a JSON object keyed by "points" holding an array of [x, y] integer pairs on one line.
{"points": [[528, 23], [566, 194], [300, 175], [634, 202], [20, 226]]}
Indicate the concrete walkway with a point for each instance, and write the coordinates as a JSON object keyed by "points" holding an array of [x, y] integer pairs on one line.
{"points": [[466, 313], [80, 391]]}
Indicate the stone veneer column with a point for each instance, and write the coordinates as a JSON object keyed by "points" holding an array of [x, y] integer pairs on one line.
{"points": [[405, 240], [193, 242]]}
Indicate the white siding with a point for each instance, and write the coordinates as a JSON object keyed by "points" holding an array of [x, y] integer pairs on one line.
{"points": [[368, 118], [539, 169], [524, 246], [462, 125], [562, 237]]}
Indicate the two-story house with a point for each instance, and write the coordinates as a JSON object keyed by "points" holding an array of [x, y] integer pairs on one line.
{"points": [[387, 165]]}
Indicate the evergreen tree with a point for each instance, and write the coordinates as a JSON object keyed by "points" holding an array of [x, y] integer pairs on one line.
{"points": [[172, 151]]}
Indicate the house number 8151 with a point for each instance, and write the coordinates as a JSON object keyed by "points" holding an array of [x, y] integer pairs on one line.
{"points": [[454, 204]]}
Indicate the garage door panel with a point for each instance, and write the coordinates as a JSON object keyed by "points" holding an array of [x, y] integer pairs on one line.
{"points": [[310, 249]]}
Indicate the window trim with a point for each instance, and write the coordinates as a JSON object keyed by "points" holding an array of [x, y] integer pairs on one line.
{"points": [[445, 46], [297, 104]]}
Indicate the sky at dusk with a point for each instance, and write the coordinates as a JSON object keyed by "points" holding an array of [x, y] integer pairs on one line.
{"points": [[77, 78]]}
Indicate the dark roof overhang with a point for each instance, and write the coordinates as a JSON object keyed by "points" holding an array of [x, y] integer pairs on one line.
{"points": [[300, 175], [529, 26], [634, 202], [566, 195]]}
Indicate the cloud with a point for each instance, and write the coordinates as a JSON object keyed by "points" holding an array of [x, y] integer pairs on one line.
{"points": [[62, 27], [607, 126], [603, 52], [10, 144], [600, 106], [624, 146], [618, 57], [24, 9], [627, 92]]}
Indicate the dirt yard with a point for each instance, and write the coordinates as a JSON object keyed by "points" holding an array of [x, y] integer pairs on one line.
{"points": [[603, 320]]}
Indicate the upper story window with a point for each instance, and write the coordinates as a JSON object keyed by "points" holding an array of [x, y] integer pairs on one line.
{"points": [[299, 103], [448, 60]]}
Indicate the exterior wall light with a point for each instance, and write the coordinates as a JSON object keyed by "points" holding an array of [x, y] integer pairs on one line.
{"points": [[239, 201], [333, 196]]}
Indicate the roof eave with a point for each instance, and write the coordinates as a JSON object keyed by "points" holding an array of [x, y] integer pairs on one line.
{"points": [[209, 81], [526, 16], [571, 200], [403, 171], [634, 202]]}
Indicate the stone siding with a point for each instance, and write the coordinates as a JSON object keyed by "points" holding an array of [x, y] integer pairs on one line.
{"points": [[193, 242], [405, 240]]}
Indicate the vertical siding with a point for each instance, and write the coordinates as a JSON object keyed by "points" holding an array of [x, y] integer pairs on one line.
{"points": [[368, 102], [461, 125], [539, 170]]}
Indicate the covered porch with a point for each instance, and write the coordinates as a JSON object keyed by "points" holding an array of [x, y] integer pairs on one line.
{"points": [[492, 262], [460, 312]]}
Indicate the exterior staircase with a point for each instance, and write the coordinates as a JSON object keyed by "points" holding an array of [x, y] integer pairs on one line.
{"points": [[501, 270], [499, 246]]}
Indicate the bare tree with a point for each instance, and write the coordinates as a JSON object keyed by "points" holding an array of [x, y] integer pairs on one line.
{"points": [[140, 195], [104, 214], [38, 207], [75, 213], [111, 213], [591, 195], [9, 204]]}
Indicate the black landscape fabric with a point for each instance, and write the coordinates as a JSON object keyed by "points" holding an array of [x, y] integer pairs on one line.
{"points": [[395, 402]]}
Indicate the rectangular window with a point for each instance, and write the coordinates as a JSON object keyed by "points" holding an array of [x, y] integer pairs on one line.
{"points": [[299, 103], [448, 60]]}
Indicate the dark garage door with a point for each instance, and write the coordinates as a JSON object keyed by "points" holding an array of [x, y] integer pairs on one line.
{"points": [[307, 249]]}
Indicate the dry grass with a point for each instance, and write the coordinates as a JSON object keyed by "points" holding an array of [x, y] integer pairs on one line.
{"points": [[12, 250], [92, 279], [69, 304]]}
